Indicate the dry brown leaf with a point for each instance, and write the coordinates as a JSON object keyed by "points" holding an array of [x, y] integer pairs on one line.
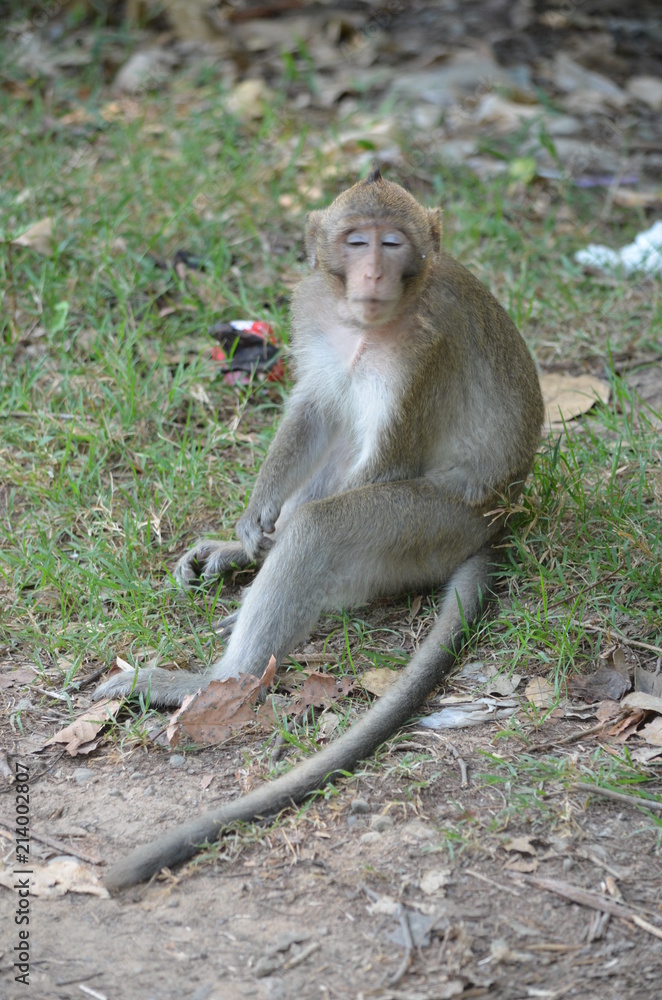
{"points": [[540, 692], [521, 844], [643, 701], [16, 678], [647, 681], [319, 689], [435, 880], [221, 710], [568, 396], [525, 865], [38, 237], [247, 99], [652, 732], [59, 877], [608, 710], [627, 727], [604, 685], [83, 729], [378, 680]]}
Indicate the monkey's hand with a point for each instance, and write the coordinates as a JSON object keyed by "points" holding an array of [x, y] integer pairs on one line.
{"points": [[161, 688], [254, 527], [209, 559]]}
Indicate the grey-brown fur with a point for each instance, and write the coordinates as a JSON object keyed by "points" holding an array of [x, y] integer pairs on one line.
{"points": [[417, 407]]}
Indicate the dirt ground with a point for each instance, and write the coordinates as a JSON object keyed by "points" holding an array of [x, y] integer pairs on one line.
{"points": [[308, 907]]}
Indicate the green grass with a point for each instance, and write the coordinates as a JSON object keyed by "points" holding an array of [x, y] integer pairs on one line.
{"points": [[119, 446]]}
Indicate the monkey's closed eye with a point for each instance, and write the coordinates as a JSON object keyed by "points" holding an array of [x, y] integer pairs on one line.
{"points": [[392, 240], [357, 240]]}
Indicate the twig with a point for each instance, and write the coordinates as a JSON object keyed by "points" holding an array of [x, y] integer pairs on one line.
{"points": [[59, 845], [572, 738], [586, 898], [614, 631], [92, 993], [409, 948], [464, 779], [492, 882], [584, 590], [302, 956], [628, 800], [91, 678]]}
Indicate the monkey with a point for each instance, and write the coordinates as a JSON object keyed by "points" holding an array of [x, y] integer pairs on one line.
{"points": [[415, 412]]}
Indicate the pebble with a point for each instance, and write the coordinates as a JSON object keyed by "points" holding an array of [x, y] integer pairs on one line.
{"points": [[83, 774], [177, 760], [371, 837], [381, 823], [359, 807]]}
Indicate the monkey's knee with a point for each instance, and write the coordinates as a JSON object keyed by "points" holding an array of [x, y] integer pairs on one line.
{"points": [[209, 560]]}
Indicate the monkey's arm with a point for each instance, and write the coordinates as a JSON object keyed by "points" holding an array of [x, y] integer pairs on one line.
{"points": [[300, 441], [467, 589]]}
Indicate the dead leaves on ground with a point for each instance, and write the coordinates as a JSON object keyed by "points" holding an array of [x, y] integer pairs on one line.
{"points": [[80, 736], [569, 396]]}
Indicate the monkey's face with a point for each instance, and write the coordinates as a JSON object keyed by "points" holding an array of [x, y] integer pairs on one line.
{"points": [[374, 262]]}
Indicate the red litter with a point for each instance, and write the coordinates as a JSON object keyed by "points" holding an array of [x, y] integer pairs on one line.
{"points": [[246, 348]]}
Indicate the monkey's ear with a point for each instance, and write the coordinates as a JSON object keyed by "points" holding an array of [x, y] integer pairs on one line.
{"points": [[434, 220], [312, 229]]}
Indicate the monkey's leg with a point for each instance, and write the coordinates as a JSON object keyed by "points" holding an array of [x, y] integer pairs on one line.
{"points": [[207, 560], [344, 550]]}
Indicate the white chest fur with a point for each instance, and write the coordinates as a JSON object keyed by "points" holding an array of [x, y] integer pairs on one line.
{"points": [[352, 382]]}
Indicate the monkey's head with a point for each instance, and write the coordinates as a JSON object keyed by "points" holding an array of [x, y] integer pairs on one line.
{"points": [[374, 244]]}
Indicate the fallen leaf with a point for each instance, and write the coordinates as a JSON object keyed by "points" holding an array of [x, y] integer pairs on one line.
{"points": [[525, 865], [652, 732], [644, 754], [38, 237], [435, 880], [247, 99], [320, 689], [627, 727], [57, 878], [608, 710], [221, 709], [540, 692], [568, 396], [648, 682], [16, 678], [521, 844], [643, 701], [488, 676], [83, 729], [378, 680], [604, 685]]}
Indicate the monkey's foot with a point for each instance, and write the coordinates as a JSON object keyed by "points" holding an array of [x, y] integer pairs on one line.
{"points": [[208, 560], [160, 688]]}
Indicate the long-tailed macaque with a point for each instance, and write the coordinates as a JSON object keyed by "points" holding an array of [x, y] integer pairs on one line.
{"points": [[416, 408]]}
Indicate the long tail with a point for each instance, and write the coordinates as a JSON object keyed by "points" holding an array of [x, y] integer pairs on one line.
{"points": [[466, 593]]}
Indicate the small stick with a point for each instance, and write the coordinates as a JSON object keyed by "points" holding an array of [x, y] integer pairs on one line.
{"points": [[91, 678], [625, 638], [409, 948], [628, 800], [572, 738], [302, 956], [59, 845], [492, 882], [586, 898], [464, 780]]}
